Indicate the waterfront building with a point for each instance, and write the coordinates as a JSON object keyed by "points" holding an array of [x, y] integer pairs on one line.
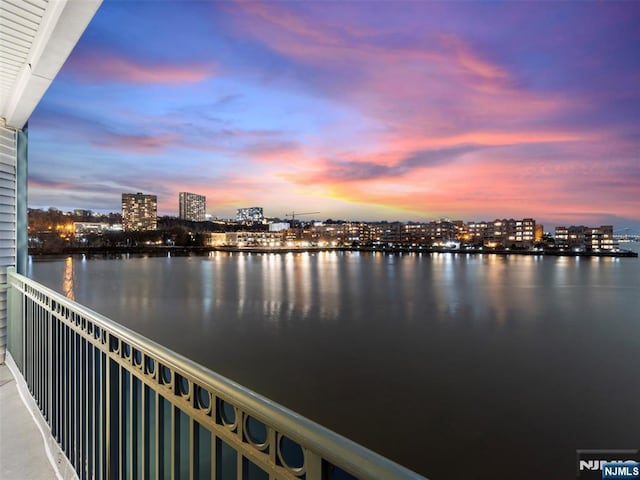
{"points": [[576, 237], [476, 232], [242, 239], [504, 233], [291, 235], [441, 232], [525, 232], [582, 238], [354, 233], [250, 214], [139, 211], [414, 233], [192, 206], [375, 231], [215, 239], [538, 232], [86, 228], [279, 226], [600, 238], [562, 237], [391, 233], [329, 233]]}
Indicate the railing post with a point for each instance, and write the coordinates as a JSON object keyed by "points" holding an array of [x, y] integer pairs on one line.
{"points": [[22, 155]]}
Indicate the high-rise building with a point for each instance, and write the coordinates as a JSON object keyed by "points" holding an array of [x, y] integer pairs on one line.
{"points": [[139, 211], [251, 214], [192, 206]]}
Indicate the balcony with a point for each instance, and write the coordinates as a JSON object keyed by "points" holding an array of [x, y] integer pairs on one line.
{"points": [[118, 405], [84, 397]]}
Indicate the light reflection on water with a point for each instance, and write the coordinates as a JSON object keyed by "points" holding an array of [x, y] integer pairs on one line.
{"points": [[67, 281], [423, 357]]}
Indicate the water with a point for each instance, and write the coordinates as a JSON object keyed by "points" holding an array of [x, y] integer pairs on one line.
{"points": [[457, 366]]}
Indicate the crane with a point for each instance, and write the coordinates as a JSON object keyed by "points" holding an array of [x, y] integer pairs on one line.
{"points": [[293, 214]]}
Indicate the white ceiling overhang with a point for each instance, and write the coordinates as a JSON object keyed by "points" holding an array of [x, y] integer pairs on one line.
{"points": [[36, 37]]}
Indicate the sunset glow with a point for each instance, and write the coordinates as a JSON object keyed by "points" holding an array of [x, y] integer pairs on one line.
{"points": [[358, 110]]}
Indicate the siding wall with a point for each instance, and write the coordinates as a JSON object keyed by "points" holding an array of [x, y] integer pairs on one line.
{"points": [[8, 155]]}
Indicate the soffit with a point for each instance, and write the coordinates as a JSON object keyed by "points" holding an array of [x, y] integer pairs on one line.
{"points": [[36, 37]]}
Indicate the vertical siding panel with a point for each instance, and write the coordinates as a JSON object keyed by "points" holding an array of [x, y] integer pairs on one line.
{"points": [[8, 155]]}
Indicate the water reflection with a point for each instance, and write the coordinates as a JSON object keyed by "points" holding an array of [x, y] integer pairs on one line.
{"points": [[67, 281], [478, 347]]}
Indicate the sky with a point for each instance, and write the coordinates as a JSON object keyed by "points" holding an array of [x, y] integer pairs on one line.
{"points": [[367, 110]]}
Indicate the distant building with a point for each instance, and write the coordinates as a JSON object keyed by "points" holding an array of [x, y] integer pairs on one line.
{"points": [[192, 206], [245, 239], [279, 226], [562, 237], [581, 238], [139, 211], [501, 233], [525, 232], [440, 232], [538, 232], [250, 214], [600, 238], [476, 232], [85, 228], [79, 212], [391, 233]]}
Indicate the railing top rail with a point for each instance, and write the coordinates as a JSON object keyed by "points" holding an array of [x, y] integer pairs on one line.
{"points": [[337, 449]]}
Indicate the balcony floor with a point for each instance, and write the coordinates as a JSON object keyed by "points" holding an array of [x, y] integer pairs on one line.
{"points": [[22, 451]]}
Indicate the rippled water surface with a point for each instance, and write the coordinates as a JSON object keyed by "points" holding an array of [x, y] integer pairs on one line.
{"points": [[454, 365]]}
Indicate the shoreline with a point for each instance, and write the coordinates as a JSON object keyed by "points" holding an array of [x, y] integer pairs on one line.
{"points": [[178, 251]]}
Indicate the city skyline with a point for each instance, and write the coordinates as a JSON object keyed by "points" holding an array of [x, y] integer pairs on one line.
{"points": [[466, 110]]}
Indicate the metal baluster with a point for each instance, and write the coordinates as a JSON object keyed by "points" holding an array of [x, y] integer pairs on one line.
{"points": [[271, 439], [49, 341], [214, 441], [239, 456], [74, 401], [159, 431], [313, 465], [80, 414], [85, 405], [91, 412], [122, 453], [36, 356], [104, 414], [97, 399], [130, 418], [193, 446], [173, 442], [67, 390], [40, 365], [110, 471], [144, 435]]}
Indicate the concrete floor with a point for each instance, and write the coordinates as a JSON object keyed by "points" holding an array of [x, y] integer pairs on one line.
{"points": [[22, 450]]}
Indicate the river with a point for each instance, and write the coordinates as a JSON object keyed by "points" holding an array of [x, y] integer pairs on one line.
{"points": [[454, 365]]}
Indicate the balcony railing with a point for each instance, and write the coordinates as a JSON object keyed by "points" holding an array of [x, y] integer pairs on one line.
{"points": [[123, 407]]}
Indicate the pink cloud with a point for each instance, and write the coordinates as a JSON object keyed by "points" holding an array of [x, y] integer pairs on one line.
{"points": [[501, 187], [136, 143], [112, 68], [437, 93], [438, 86], [45, 184]]}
